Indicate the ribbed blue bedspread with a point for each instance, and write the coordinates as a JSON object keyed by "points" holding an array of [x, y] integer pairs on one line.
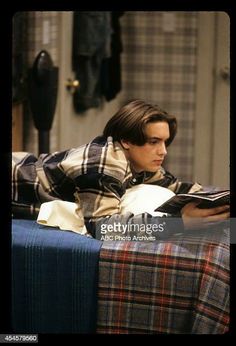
{"points": [[54, 280]]}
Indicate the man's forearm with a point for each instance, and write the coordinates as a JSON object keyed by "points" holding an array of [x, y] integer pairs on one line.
{"points": [[129, 227]]}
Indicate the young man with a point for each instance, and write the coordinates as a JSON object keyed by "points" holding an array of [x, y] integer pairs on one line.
{"points": [[96, 175]]}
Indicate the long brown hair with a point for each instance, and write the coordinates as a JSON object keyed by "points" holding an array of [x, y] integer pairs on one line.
{"points": [[130, 121]]}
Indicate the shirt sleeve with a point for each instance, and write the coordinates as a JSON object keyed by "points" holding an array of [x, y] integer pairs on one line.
{"points": [[54, 181], [98, 195], [166, 179], [37, 180], [131, 227]]}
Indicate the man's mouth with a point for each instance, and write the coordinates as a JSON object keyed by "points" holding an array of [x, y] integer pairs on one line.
{"points": [[159, 162]]}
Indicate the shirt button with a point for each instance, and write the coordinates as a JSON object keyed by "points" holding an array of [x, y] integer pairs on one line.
{"points": [[134, 180]]}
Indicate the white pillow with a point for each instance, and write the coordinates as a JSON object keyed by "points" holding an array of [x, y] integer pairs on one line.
{"points": [[144, 198]]}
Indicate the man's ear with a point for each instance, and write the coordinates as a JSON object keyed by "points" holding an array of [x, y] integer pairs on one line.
{"points": [[125, 144]]}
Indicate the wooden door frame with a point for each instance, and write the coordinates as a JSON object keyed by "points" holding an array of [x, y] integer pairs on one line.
{"points": [[221, 127], [204, 99], [65, 46], [208, 170]]}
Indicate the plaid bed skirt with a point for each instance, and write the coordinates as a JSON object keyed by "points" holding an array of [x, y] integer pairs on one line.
{"points": [[179, 285]]}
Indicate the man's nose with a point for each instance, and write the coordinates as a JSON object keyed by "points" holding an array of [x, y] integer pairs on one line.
{"points": [[162, 149]]}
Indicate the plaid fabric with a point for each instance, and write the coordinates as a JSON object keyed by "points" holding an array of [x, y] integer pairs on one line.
{"points": [[94, 175], [180, 285], [160, 66]]}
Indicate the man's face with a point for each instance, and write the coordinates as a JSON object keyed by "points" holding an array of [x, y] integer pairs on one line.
{"points": [[149, 157]]}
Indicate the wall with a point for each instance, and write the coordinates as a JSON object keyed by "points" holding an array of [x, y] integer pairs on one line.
{"points": [[159, 65], [43, 28]]}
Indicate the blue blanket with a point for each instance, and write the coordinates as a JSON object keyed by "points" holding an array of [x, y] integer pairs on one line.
{"points": [[54, 280]]}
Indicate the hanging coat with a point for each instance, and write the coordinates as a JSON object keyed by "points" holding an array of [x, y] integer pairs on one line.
{"points": [[91, 44]]}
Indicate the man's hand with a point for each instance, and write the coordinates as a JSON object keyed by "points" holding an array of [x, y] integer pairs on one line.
{"points": [[196, 218]]}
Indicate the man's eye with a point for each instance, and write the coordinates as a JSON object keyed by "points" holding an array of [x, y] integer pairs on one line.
{"points": [[153, 141]]}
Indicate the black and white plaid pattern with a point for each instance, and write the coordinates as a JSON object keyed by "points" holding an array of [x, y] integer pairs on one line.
{"points": [[95, 175]]}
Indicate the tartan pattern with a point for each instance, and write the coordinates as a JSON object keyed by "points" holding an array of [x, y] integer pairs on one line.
{"points": [[160, 67], [179, 285]]}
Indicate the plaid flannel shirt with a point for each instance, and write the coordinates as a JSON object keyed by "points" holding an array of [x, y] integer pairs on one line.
{"points": [[94, 175]]}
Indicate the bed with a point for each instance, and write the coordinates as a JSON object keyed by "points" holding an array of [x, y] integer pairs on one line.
{"points": [[63, 282]]}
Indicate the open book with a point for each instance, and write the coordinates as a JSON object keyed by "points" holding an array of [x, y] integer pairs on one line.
{"points": [[207, 200]]}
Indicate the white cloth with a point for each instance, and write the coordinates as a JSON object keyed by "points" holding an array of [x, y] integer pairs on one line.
{"points": [[138, 199], [62, 214]]}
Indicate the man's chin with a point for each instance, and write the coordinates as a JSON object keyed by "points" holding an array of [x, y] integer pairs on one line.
{"points": [[153, 169]]}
